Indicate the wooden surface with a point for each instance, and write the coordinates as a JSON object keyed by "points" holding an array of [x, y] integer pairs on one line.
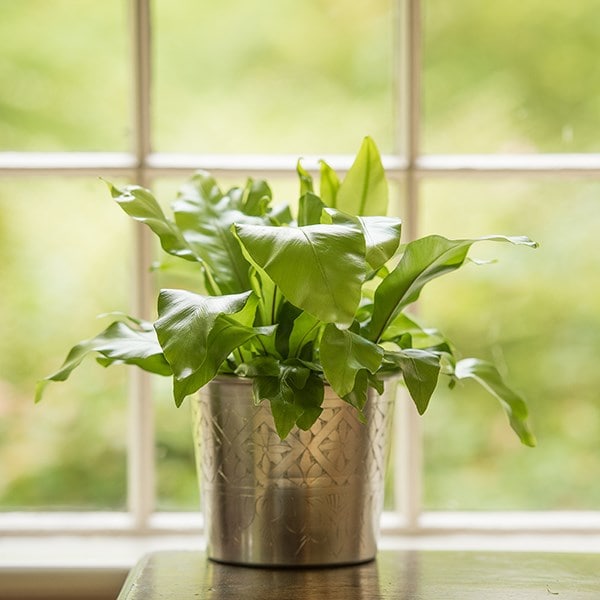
{"points": [[397, 575]]}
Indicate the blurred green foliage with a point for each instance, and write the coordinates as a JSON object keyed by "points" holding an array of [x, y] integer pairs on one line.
{"points": [[311, 77]]}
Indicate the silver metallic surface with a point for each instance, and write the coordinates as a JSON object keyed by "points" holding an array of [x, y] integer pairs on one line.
{"points": [[314, 498]]}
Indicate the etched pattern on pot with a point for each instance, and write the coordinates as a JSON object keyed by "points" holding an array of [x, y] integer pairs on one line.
{"points": [[313, 498]]}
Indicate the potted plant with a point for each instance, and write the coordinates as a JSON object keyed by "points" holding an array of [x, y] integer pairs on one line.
{"points": [[294, 332]]}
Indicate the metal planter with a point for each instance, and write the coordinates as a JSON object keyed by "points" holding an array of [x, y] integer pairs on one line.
{"points": [[314, 498]]}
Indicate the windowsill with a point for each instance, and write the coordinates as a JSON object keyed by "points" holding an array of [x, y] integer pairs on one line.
{"points": [[68, 566], [122, 552]]}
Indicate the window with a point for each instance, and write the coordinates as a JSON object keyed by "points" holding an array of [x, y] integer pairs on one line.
{"points": [[486, 116]]}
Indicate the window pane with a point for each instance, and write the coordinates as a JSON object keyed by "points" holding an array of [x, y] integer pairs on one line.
{"points": [[63, 75], [511, 76], [64, 256], [535, 313], [298, 77]]}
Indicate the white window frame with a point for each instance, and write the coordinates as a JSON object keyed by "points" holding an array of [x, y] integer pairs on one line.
{"points": [[571, 530]]}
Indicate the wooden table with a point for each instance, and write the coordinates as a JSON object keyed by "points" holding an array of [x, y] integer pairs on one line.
{"points": [[397, 575]]}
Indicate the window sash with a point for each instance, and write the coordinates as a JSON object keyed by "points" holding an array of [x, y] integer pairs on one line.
{"points": [[407, 163]]}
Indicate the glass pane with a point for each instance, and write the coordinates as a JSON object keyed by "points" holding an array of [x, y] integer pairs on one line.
{"points": [[64, 75], [64, 255], [511, 76], [535, 313], [298, 77]]}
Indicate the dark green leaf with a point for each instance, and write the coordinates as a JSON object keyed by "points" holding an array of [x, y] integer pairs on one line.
{"points": [[359, 394], [420, 370], [288, 313], [295, 396], [305, 332], [343, 354]]}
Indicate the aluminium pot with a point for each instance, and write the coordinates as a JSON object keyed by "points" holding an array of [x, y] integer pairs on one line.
{"points": [[312, 499]]}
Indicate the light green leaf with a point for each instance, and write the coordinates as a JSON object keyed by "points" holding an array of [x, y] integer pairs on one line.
{"points": [[382, 238], [142, 206], [420, 371], [306, 182], [310, 209], [319, 268], [257, 198], [343, 354], [489, 378], [364, 190], [118, 343], [423, 260], [329, 186]]}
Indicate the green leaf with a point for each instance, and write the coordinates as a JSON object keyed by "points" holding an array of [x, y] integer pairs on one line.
{"points": [[306, 182], [258, 196], [310, 208], [364, 190], [382, 238], [195, 338], [343, 354], [310, 399], [288, 313], [319, 268], [259, 366], [142, 206], [295, 396], [420, 370], [359, 394], [329, 186], [225, 336], [305, 332], [118, 343], [489, 378], [205, 217], [423, 260]]}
